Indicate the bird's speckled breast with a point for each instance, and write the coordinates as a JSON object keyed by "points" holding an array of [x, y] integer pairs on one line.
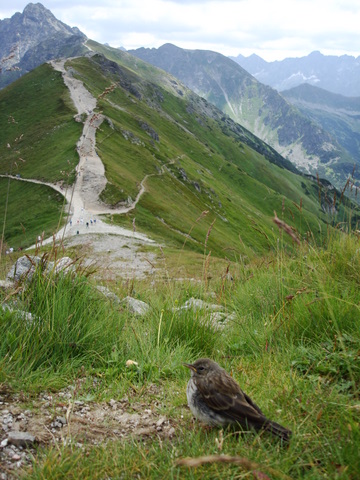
{"points": [[199, 408]]}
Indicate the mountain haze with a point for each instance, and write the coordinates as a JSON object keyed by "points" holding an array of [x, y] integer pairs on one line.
{"points": [[337, 114], [257, 107], [339, 75]]}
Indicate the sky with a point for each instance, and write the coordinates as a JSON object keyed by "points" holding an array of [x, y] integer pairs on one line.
{"points": [[272, 29]]}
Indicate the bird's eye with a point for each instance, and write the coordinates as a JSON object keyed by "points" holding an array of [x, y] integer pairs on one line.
{"points": [[201, 369]]}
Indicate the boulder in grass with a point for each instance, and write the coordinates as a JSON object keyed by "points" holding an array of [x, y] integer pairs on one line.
{"points": [[197, 304], [23, 268], [108, 294], [64, 264], [136, 306]]}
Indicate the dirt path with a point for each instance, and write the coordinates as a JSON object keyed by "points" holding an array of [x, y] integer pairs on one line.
{"points": [[119, 246], [83, 197], [91, 178]]}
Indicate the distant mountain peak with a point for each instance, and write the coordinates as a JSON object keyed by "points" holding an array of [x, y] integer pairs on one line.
{"points": [[34, 7], [33, 37], [337, 74]]}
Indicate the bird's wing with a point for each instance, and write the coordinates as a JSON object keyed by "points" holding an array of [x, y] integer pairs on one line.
{"points": [[222, 394], [253, 404]]}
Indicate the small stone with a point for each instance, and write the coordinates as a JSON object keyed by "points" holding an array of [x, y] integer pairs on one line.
{"points": [[171, 432], [15, 458], [160, 421], [4, 443], [136, 307], [61, 420], [23, 439]]}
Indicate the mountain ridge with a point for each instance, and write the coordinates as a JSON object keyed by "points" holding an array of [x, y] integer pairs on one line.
{"points": [[230, 88], [196, 160], [256, 106], [339, 75], [336, 113], [33, 37]]}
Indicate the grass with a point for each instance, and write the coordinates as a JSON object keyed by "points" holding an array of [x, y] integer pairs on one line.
{"points": [[200, 162], [292, 344], [58, 337], [40, 211], [38, 138], [38, 133], [293, 338]]}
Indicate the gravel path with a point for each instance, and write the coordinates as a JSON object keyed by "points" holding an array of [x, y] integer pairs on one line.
{"points": [[85, 226], [84, 196]]}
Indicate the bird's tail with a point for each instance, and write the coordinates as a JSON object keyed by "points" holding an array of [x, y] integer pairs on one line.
{"points": [[278, 430]]}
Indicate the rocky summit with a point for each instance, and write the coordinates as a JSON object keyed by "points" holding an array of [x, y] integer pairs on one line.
{"points": [[33, 37]]}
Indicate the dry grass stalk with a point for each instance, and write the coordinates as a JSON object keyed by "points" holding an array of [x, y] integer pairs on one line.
{"points": [[245, 463], [299, 207], [343, 190], [206, 268], [287, 229], [202, 215], [208, 233], [262, 233], [319, 184], [353, 171]]}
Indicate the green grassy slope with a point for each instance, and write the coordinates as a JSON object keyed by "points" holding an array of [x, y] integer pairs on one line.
{"points": [[31, 211], [189, 156], [36, 117], [194, 161]]}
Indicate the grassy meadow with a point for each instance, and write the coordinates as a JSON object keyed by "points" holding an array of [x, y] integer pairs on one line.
{"points": [[189, 157], [292, 342], [292, 339]]}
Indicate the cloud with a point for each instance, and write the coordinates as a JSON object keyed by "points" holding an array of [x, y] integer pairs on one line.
{"points": [[270, 29]]}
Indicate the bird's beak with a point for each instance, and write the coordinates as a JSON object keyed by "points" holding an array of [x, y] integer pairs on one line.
{"points": [[188, 365]]}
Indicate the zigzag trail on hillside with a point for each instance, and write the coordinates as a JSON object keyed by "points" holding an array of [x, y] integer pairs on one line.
{"points": [[90, 182], [84, 205]]}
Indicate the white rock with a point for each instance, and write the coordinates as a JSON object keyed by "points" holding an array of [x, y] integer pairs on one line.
{"points": [[136, 306], [197, 304]]}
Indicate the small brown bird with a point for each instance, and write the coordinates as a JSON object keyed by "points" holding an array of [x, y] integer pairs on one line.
{"points": [[217, 400]]}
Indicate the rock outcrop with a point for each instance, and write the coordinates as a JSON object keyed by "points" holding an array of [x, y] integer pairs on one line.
{"points": [[33, 37]]}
